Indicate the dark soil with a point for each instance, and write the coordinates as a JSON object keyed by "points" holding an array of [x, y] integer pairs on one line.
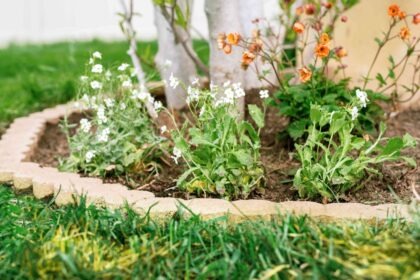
{"points": [[395, 184]]}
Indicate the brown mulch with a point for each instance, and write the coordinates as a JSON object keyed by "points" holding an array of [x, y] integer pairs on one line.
{"points": [[395, 184]]}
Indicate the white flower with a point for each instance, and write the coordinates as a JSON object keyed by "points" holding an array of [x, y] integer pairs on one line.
{"points": [[97, 55], [123, 66], [239, 91], [101, 115], [202, 110], [177, 153], [157, 105], [85, 125], [173, 82], [97, 68], [193, 94], [167, 63], [109, 102], [354, 113], [226, 84], [126, 84], [84, 78], [89, 156], [104, 135], [195, 81], [91, 60], [123, 106], [142, 95], [362, 97], [95, 85], [263, 94], [163, 129]]}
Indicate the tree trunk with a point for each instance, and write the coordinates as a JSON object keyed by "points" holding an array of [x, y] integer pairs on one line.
{"points": [[172, 50], [223, 16]]}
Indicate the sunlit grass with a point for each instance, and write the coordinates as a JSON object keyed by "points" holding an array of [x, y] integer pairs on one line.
{"points": [[38, 240]]}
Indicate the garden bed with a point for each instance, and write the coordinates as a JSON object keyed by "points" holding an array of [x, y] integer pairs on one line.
{"points": [[395, 184]]}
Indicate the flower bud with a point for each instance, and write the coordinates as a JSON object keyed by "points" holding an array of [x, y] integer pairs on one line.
{"points": [[309, 9], [298, 27], [344, 19]]}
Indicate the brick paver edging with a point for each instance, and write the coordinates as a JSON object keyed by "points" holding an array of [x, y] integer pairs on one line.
{"points": [[20, 140]]}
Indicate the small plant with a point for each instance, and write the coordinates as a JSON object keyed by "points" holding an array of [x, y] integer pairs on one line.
{"points": [[334, 160], [118, 138], [221, 152]]}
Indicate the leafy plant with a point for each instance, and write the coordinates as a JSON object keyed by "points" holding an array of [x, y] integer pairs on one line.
{"points": [[334, 160], [221, 152], [117, 136], [295, 102]]}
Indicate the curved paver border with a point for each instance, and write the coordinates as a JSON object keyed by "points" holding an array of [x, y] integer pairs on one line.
{"points": [[20, 140]]}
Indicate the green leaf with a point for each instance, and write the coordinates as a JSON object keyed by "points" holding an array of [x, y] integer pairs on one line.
{"points": [[380, 79], [315, 114], [257, 115], [185, 175], [410, 161], [409, 141], [243, 157], [394, 145], [296, 129]]}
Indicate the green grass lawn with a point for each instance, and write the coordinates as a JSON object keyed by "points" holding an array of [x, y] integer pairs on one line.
{"points": [[79, 242], [33, 77]]}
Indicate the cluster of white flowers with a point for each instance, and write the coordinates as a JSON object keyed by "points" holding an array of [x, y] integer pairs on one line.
{"points": [[89, 156], [84, 78], [109, 102], [231, 92], [193, 94], [158, 105], [142, 95], [97, 68], [97, 55], [195, 81], [101, 115], [108, 74], [177, 153], [103, 135], [123, 67], [127, 84], [95, 85], [123, 106], [173, 82], [163, 129], [264, 94], [363, 98], [85, 125], [354, 113]]}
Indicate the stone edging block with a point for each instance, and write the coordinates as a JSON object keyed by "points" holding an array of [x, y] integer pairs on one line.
{"points": [[21, 139]]}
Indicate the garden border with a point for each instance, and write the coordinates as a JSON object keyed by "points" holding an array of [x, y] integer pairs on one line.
{"points": [[21, 138]]}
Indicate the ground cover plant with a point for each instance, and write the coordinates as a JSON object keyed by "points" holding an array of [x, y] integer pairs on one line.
{"points": [[84, 242]]}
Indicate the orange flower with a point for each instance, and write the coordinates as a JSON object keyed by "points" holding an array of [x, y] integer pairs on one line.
{"points": [[298, 27], [309, 9], [299, 10], [327, 5], [402, 14], [322, 50], [393, 10], [305, 74], [255, 46], [416, 18], [340, 52], [233, 38], [405, 33], [324, 39], [247, 59], [227, 49]]}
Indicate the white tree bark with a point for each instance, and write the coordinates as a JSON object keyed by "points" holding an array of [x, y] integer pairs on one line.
{"points": [[171, 49], [223, 16], [250, 10]]}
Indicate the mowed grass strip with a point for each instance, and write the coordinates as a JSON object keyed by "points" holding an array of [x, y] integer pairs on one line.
{"points": [[40, 241]]}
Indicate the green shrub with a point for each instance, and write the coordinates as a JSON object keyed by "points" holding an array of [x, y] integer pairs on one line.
{"points": [[118, 138], [333, 159], [221, 152]]}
